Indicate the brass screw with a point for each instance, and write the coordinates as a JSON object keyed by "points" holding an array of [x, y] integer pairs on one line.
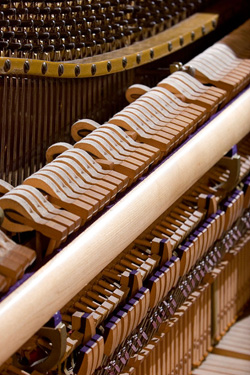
{"points": [[26, 67], [93, 69], [44, 67], [124, 62], [77, 70], [109, 66], [60, 70], [7, 65]]}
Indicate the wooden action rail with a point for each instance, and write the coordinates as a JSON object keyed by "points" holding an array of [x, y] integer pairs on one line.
{"points": [[209, 145], [177, 230], [175, 227]]}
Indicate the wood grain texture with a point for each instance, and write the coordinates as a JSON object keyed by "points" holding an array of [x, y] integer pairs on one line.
{"points": [[28, 308]]}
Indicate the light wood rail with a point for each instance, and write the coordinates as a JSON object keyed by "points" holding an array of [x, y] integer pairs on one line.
{"points": [[29, 307]]}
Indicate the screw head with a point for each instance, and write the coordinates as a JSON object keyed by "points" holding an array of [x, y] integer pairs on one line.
{"points": [[60, 70], [26, 66], [181, 40], [214, 23], [44, 67], [7, 65], [152, 53], [124, 62], [93, 69], [109, 66], [77, 70], [203, 30], [192, 35], [170, 46], [138, 58]]}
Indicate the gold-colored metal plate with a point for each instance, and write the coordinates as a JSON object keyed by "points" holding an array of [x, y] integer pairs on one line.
{"points": [[153, 48]]}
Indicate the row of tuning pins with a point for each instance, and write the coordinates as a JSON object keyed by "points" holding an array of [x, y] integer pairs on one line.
{"points": [[59, 31]]}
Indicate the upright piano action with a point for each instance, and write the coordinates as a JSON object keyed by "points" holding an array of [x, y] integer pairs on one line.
{"points": [[127, 252]]}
